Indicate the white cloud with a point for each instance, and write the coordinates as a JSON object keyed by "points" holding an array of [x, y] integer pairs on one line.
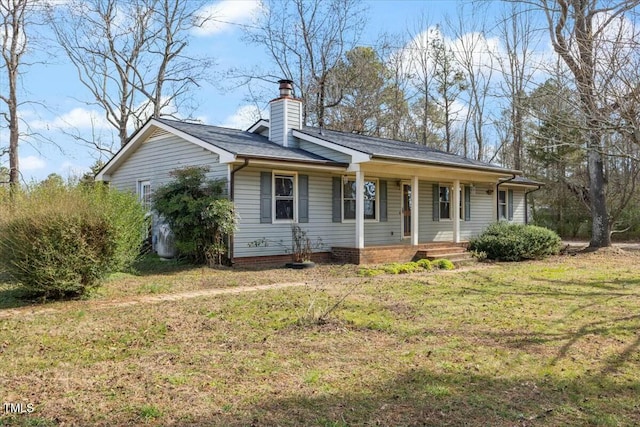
{"points": [[78, 118], [32, 163], [225, 15], [244, 117]]}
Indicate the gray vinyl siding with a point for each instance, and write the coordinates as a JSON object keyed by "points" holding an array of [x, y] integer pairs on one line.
{"points": [[278, 235], [518, 205], [327, 153], [157, 157], [294, 111], [276, 123], [482, 214]]}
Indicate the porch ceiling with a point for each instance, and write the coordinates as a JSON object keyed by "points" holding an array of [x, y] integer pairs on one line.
{"points": [[438, 173]]}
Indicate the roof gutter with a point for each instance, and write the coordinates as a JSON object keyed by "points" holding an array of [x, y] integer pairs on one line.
{"points": [[498, 194], [526, 203], [232, 182]]}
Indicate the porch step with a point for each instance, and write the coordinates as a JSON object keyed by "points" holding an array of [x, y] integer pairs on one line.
{"points": [[454, 253]]}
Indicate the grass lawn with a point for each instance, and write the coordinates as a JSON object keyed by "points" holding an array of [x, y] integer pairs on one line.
{"points": [[552, 342]]}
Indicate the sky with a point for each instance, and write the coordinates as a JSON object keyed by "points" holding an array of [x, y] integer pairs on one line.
{"points": [[52, 83]]}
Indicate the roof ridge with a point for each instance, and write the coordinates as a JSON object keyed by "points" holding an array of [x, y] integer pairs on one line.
{"points": [[199, 124]]}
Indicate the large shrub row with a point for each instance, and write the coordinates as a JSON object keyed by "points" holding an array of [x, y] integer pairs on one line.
{"points": [[515, 242], [62, 240]]}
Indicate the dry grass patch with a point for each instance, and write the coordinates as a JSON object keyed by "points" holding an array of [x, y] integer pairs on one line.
{"points": [[540, 343]]}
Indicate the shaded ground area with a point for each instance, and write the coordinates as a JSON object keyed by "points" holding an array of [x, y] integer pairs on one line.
{"points": [[551, 342]]}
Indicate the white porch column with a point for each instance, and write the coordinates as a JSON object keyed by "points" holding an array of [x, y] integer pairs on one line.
{"points": [[359, 209], [455, 200], [415, 214]]}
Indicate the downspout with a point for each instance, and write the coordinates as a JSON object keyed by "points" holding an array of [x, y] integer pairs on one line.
{"points": [[526, 203], [231, 198], [498, 195]]}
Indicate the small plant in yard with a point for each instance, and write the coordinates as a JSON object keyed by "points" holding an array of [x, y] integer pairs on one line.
{"points": [[301, 245], [407, 267], [503, 241], [149, 412], [443, 264], [321, 306]]}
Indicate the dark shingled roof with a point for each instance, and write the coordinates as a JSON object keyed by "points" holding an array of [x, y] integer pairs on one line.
{"points": [[397, 150], [247, 144], [242, 143]]}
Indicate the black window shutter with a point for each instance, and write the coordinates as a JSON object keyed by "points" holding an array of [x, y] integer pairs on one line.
{"points": [[467, 203], [337, 199], [436, 202], [383, 201], [265, 197], [303, 198], [510, 203]]}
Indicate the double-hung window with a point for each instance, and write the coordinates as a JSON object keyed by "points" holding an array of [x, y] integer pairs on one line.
{"points": [[443, 206], [144, 194], [502, 205], [284, 195], [445, 202], [370, 200]]}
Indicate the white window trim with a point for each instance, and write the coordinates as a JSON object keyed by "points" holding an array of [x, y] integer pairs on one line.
{"points": [[377, 218], [450, 187], [506, 205], [460, 201], [141, 184], [274, 220]]}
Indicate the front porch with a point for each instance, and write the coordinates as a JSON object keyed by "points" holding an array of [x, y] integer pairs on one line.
{"points": [[379, 254]]}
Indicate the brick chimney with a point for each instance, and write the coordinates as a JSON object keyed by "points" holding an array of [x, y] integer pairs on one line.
{"points": [[285, 115]]}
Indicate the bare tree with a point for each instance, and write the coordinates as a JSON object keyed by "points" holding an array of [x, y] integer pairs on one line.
{"points": [[449, 82], [517, 64], [424, 110], [13, 16], [130, 55], [306, 40], [473, 56], [583, 33]]}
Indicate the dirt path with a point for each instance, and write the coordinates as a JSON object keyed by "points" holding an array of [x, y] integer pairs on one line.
{"points": [[144, 299]]}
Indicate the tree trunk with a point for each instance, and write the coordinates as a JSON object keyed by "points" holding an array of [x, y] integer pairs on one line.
{"points": [[600, 236]]}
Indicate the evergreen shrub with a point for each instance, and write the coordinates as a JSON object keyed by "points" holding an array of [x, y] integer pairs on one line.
{"points": [[504, 241]]}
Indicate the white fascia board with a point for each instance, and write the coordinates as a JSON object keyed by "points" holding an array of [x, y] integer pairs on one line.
{"points": [[356, 156], [256, 128], [296, 165], [143, 133]]}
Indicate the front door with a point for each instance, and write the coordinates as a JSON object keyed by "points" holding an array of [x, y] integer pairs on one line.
{"points": [[406, 210]]}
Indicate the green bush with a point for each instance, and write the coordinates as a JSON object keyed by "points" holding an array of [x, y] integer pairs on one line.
{"points": [[198, 214], [443, 264], [425, 263], [515, 242], [62, 240]]}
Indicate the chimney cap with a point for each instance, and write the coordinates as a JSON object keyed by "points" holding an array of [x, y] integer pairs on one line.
{"points": [[286, 88]]}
